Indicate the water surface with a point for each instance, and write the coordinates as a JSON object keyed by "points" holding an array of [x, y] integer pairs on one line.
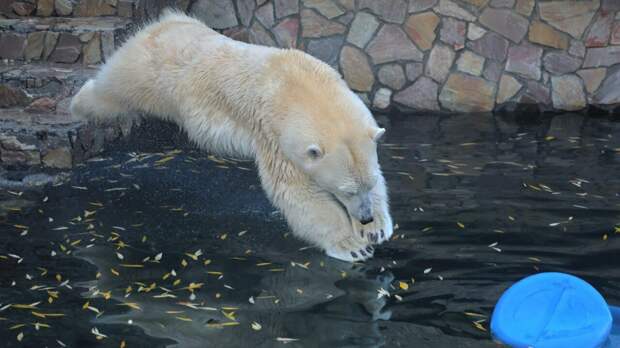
{"points": [[155, 244]]}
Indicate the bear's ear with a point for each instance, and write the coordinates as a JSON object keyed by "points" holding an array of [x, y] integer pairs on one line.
{"points": [[314, 152], [376, 134]]}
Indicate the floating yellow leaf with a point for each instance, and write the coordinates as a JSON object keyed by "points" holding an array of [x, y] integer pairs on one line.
{"points": [[403, 285], [479, 326], [129, 265], [164, 160], [131, 305]]}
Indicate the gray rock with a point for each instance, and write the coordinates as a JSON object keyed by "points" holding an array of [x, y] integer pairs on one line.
{"points": [[609, 92], [125, 8], [568, 93], [34, 47], [286, 7], [286, 32], [392, 11], [51, 38], [392, 44], [491, 46], [392, 75], [315, 26], [362, 29], [382, 98], [327, 8], [326, 49], [87, 36], [421, 5], [470, 63], [22, 8], [577, 48], [508, 87], [356, 69], [598, 34], [260, 36], [67, 49], [492, 71], [12, 45], [505, 22], [20, 158], [45, 8], [414, 70], [108, 45], [466, 93], [10, 97], [571, 19], [346, 18], [218, 14], [91, 53], [559, 63], [475, 32], [453, 32], [525, 60], [451, 9], [503, 3], [63, 7], [422, 95], [603, 56], [265, 15], [246, 11], [439, 63], [538, 93]]}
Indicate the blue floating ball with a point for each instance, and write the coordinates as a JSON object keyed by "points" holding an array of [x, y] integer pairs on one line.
{"points": [[552, 310]]}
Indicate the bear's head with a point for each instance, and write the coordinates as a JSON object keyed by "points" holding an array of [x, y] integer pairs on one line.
{"points": [[327, 132]]}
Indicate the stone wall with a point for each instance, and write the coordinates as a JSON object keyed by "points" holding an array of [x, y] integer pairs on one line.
{"points": [[443, 55]]}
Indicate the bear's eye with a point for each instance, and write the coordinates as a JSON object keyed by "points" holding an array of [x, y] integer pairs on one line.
{"points": [[314, 152]]}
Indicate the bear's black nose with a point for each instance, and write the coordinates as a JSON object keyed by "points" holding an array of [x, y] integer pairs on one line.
{"points": [[367, 221]]}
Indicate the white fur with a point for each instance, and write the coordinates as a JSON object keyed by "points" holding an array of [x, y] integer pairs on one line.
{"points": [[251, 101]]}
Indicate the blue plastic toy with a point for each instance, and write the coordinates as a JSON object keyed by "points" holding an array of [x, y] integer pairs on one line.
{"points": [[555, 310]]}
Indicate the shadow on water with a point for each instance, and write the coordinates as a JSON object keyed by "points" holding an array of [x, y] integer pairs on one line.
{"points": [[156, 244]]}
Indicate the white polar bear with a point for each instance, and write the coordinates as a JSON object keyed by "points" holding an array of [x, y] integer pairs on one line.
{"points": [[313, 140]]}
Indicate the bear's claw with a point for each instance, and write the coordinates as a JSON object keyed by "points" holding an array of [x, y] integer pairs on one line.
{"points": [[375, 233], [351, 249]]}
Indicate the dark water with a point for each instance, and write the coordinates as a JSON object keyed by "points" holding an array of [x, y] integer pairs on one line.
{"points": [[156, 244]]}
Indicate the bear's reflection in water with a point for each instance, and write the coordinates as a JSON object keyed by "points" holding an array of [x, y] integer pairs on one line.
{"points": [[329, 306]]}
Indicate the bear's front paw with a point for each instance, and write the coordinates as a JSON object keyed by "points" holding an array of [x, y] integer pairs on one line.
{"points": [[376, 232], [351, 249]]}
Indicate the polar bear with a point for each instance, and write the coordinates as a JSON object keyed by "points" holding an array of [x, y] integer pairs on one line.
{"points": [[313, 140]]}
